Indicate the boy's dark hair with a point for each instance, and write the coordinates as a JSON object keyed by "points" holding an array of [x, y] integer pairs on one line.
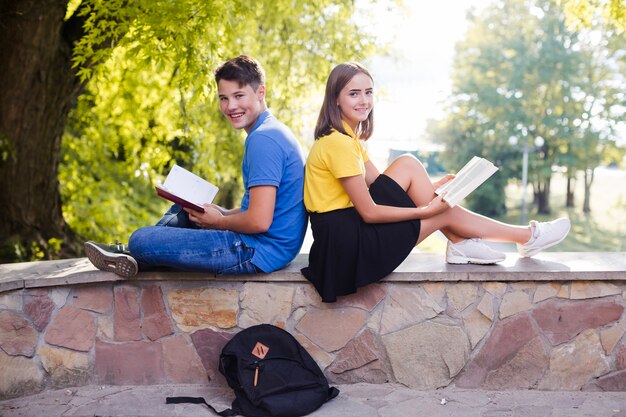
{"points": [[243, 69]]}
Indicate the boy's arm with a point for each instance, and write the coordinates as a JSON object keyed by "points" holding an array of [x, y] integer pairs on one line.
{"points": [[257, 219]]}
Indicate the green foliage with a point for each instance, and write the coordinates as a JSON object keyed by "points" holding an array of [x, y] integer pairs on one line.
{"points": [[519, 75], [588, 13], [150, 98]]}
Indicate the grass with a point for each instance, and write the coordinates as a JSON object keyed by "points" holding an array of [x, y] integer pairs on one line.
{"points": [[601, 230]]}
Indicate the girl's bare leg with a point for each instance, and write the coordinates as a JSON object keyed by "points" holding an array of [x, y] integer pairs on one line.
{"points": [[456, 223]]}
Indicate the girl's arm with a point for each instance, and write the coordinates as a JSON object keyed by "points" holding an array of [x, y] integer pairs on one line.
{"points": [[371, 172], [356, 188]]}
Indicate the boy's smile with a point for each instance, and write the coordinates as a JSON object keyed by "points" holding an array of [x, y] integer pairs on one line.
{"points": [[241, 104]]}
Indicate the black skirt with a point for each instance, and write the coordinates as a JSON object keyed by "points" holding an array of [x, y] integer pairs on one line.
{"points": [[348, 253]]}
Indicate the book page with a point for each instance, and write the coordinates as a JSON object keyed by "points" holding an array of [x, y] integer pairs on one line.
{"points": [[189, 186], [474, 173]]}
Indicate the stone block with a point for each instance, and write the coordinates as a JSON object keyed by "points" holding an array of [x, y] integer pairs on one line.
{"points": [[545, 291], [261, 302], [204, 308], [610, 337], [59, 295], [522, 371], [156, 322], [613, 382], [39, 311], [620, 358], [97, 299], [436, 290], [331, 329], [65, 367], [322, 358], [306, 296], [476, 325], [363, 359], [486, 306], [11, 300], [406, 305], [496, 289], [575, 364], [513, 303], [131, 363], [182, 363], [561, 320], [19, 376], [105, 328], [17, 336], [563, 291], [209, 344], [507, 338], [461, 295], [127, 316], [591, 289], [366, 298], [427, 355], [72, 328]]}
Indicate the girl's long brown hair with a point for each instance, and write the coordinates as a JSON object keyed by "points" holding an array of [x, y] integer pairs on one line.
{"points": [[330, 114]]}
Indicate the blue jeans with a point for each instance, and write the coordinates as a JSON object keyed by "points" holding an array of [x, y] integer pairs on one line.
{"points": [[177, 243]]}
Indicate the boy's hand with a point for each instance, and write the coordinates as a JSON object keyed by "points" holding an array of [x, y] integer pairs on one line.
{"points": [[210, 219]]}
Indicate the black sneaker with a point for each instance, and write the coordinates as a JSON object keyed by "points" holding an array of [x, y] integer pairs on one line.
{"points": [[112, 258]]}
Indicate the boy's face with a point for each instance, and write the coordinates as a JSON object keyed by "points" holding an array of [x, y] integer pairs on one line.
{"points": [[241, 104]]}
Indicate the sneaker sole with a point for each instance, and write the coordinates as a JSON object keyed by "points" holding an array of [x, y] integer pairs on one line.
{"points": [[537, 250], [119, 264], [461, 260]]}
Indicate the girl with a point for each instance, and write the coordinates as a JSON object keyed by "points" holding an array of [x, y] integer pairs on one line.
{"points": [[365, 223]]}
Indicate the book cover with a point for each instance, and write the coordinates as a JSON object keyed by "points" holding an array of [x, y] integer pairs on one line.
{"points": [[474, 173], [187, 189]]}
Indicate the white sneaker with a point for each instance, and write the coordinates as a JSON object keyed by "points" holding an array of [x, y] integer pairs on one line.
{"points": [[544, 235], [472, 251], [108, 258]]}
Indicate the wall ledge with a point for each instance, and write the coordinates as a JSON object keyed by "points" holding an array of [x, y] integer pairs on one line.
{"points": [[418, 267]]}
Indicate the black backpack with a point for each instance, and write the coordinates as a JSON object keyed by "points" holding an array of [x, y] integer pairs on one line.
{"points": [[272, 375]]}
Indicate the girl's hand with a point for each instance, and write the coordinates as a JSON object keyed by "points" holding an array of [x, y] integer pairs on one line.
{"points": [[209, 219], [442, 181], [436, 206]]}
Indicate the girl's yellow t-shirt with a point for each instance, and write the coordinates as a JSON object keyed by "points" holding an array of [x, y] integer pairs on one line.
{"points": [[332, 157]]}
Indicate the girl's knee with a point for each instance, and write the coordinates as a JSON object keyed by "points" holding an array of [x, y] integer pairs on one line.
{"points": [[408, 160]]}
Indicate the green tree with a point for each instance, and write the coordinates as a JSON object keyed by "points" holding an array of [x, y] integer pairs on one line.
{"points": [[521, 77], [137, 79]]}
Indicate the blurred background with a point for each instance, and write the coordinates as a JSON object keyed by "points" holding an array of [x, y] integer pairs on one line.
{"points": [[100, 99]]}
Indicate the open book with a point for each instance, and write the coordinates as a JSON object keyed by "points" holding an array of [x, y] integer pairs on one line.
{"points": [[187, 189], [474, 173]]}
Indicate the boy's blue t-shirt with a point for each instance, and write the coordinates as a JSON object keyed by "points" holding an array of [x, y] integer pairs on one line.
{"points": [[272, 156]]}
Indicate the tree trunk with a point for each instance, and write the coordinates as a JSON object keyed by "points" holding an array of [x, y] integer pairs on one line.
{"points": [[569, 199], [543, 197], [38, 89], [589, 175]]}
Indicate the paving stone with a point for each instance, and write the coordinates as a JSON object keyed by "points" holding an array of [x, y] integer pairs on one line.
{"points": [[156, 322], [39, 311], [427, 355], [522, 371], [620, 358], [476, 325], [59, 295], [344, 322], [204, 308], [564, 291], [11, 300], [496, 289], [322, 358], [17, 336], [486, 306], [105, 328], [72, 328], [127, 316], [610, 337], [65, 367], [561, 320], [130, 363], [574, 364], [437, 290], [366, 297], [182, 363], [261, 302], [613, 382], [97, 299]]}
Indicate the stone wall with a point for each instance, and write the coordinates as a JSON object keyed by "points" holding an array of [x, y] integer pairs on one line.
{"points": [[566, 335]]}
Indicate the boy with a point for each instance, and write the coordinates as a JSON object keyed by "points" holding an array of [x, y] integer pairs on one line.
{"points": [[265, 233]]}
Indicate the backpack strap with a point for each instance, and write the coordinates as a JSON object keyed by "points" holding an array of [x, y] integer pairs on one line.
{"points": [[199, 400]]}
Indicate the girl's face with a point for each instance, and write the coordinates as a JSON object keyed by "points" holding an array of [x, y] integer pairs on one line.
{"points": [[356, 100]]}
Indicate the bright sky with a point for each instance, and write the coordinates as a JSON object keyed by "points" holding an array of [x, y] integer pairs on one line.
{"points": [[411, 85]]}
